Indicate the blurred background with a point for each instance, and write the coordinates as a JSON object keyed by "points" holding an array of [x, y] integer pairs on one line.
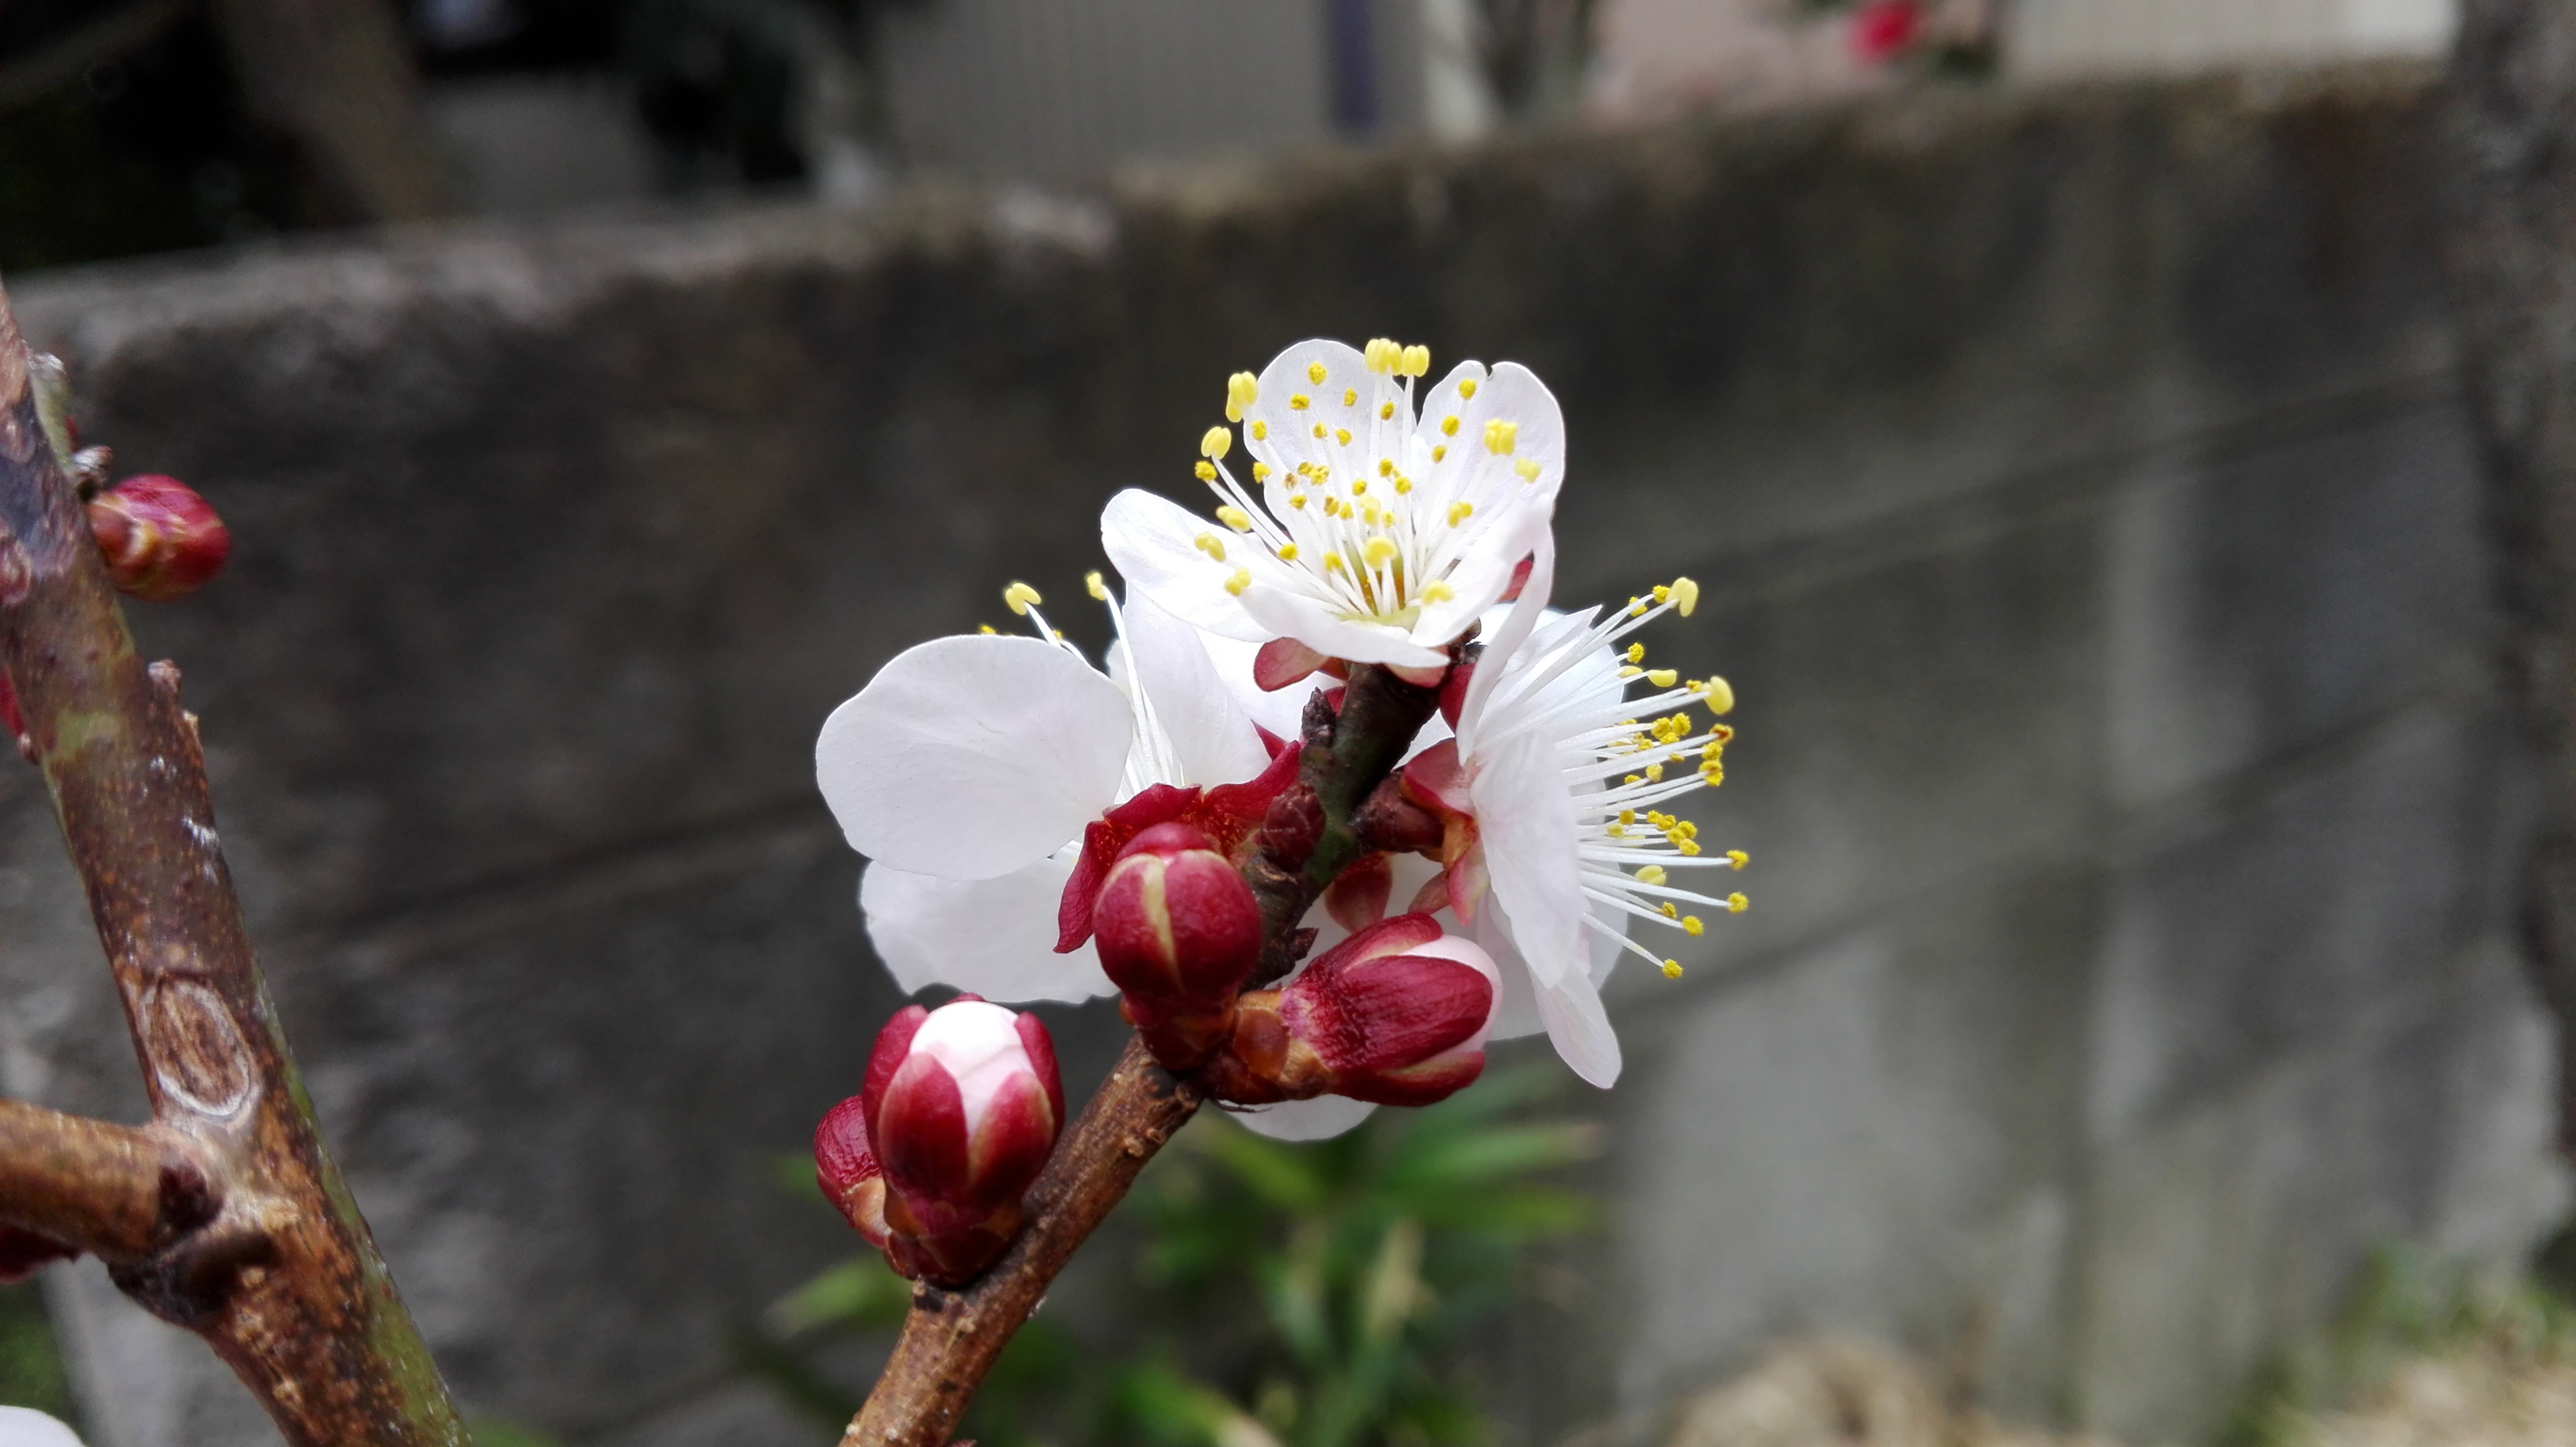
{"points": [[2060, 402]]}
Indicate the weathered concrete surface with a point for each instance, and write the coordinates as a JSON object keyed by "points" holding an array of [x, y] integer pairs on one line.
{"points": [[2082, 497]]}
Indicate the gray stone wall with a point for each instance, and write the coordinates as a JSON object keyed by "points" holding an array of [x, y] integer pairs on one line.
{"points": [[2087, 521]]}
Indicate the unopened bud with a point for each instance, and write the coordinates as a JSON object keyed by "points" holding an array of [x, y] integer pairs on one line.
{"points": [[847, 1170], [161, 539], [1178, 931], [962, 1106], [1397, 1014]]}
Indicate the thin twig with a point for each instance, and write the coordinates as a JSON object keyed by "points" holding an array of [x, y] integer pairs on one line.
{"points": [[282, 1280], [119, 1192]]}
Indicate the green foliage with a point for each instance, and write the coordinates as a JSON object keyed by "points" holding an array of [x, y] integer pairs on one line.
{"points": [[1308, 1295], [2406, 1305], [31, 1366], [491, 1432]]}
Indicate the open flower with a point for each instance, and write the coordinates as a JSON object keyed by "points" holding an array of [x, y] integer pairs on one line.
{"points": [[1368, 533], [972, 769], [1556, 845]]}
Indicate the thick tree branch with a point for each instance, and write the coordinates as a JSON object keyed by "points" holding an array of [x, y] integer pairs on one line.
{"points": [[119, 1192], [952, 1338], [283, 1280]]}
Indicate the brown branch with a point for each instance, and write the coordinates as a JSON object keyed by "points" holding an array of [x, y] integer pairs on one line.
{"points": [[952, 1338], [283, 1280], [119, 1192]]}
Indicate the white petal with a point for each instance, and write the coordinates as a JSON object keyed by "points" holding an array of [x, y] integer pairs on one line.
{"points": [[1525, 818], [1293, 615], [1580, 1031], [971, 756], [994, 937], [1483, 575], [1282, 711], [1516, 1013], [1306, 1120], [1506, 641], [1151, 541], [27, 1427], [1208, 728]]}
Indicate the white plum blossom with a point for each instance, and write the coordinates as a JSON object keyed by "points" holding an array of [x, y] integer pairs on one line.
{"points": [[969, 767], [27, 1427], [1562, 772], [1368, 532]]}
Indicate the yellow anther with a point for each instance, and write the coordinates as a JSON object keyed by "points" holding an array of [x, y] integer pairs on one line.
{"points": [[1241, 391], [1501, 437], [1627, 816], [1403, 484], [1315, 373], [1636, 653], [1691, 925], [1659, 592], [1211, 545], [1260, 430], [1261, 472], [1685, 595], [1714, 750], [1379, 552], [1737, 859], [1333, 563], [1204, 470], [1438, 453], [1712, 774], [1672, 969], [1667, 911], [1632, 779], [1650, 874], [1689, 849], [1636, 607], [1216, 443], [1459, 512], [1386, 411], [1437, 592], [1297, 501], [1386, 467], [1379, 355], [1299, 401], [1618, 831], [1738, 904], [1235, 518], [1241, 580], [1449, 426], [1662, 677], [1319, 432], [1098, 589], [1417, 361], [1020, 596], [986, 628], [1467, 387], [1287, 552], [1342, 435], [1720, 697], [1654, 773], [1350, 396], [1359, 487], [1332, 506], [1527, 469]]}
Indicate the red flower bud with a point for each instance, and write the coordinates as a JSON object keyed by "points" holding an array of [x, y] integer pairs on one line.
{"points": [[161, 539], [847, 1170], [1177, 931], [961, 1108], [1396, 1014], [1882, 28]]}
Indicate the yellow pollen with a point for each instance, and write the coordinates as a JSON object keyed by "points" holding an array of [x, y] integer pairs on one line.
{"points": [[1319, 432], [1235, 518], [1386, 411], [1459, 512], [1661, 677], [1467, 387], [1260, 430], [1449, 426], [1379, 355], [1417, 361], [1636, 653], [1650, 874], [1685, 598], [1618, 831], [1439, 453], [1298, 501], [1527, 470], [1672, 969], [1020, 596], [1386, 467], [1667, 910], [1261, 472], [1654, 773], [1403, 484], [1738, 904], [1287, 552], [1241, 580], [1209, 544], [1241, 391], [1437, 592], [1688, 848], [1630, 672], [1299, 401], [1627, 816], [1350, 396], [1379, 552], [1737, 859], [1204, 470], [1315, 373], [1333, 563], [986, 628], [1342, 435], [1691, 925], [1359, 486], [1092, 584], [1719, 695], [1215, 443], [1501, 437]]}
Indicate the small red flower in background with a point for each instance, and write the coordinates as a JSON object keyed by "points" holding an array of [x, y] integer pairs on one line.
{"points": [[1882, 29]]}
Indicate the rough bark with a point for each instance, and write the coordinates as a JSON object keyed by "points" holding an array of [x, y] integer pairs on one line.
{"points": [[266, 1256], [2513, 264]]}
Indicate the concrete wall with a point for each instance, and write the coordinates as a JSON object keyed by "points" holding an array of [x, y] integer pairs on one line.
{"points": [[2087, 522]]}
